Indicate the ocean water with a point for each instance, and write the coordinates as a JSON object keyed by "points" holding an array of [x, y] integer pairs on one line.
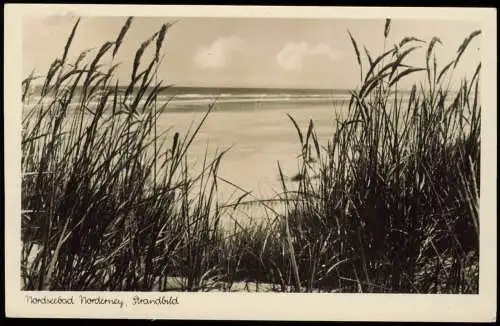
{"points": [[254, 126]]}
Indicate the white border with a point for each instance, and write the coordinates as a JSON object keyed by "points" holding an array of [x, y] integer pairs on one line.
{"points": [[260, 306]]}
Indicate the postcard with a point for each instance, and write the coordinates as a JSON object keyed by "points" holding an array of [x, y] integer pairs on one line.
{"points": [[250, 162]]}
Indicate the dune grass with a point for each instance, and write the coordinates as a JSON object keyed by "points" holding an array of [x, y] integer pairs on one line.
{"points": [[395, 207], [390, 204], [111, 202]]}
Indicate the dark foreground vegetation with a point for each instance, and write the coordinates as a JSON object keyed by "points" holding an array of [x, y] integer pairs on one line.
{"points": [[390, 204]]}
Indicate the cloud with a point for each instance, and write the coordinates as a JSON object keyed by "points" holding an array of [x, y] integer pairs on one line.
{"points": [[292, 56], [60, 19], [218, 54]]}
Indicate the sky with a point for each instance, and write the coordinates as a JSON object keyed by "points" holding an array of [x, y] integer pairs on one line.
{"points": [[248, 52]]}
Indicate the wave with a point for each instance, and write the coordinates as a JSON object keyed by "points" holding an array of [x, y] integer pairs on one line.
{"points": [[228, 100], [203, 99]]}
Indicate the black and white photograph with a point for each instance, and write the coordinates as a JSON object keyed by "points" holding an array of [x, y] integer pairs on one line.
{"points": [[251, 154]]}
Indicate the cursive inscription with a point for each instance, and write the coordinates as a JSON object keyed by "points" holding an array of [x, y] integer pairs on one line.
{"points": [[100, 300], [160, 300]]}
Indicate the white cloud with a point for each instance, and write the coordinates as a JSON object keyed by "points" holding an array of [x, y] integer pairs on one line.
{"points": [[219, 52], [60, 19], [292, 56]]}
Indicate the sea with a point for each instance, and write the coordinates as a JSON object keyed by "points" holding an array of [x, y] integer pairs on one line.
{"points": [[254, 126]]}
